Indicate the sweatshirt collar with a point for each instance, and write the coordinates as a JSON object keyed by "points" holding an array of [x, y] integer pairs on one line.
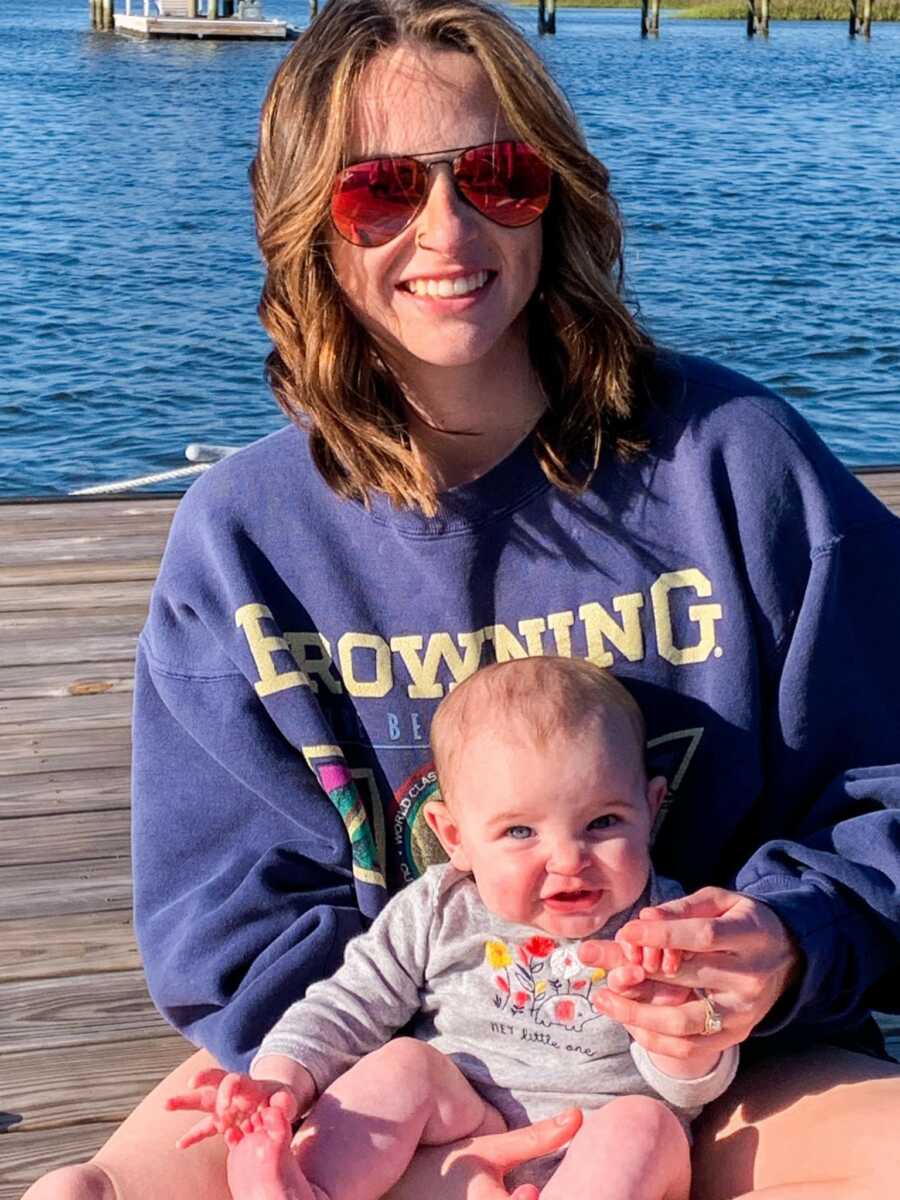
{"points": [[501, 490]]}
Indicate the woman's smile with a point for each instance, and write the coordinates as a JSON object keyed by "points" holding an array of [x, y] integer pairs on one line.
{"points": [[450, 286]]}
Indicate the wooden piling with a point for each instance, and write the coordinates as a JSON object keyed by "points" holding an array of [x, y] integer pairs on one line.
{"points": [[867, 18], [854, 19], [192, 10], [649, 18], [764, 17], [227, 8], [107, 20], [751, 18], [212, 10], [313, 8]]}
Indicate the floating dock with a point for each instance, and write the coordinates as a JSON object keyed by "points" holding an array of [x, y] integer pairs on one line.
{"points": [[220, 29], [206, 20]]}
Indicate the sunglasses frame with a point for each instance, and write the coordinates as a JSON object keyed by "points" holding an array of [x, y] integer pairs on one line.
{"points": [[427, 164]]}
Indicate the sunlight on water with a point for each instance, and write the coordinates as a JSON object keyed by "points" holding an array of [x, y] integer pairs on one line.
{"points": [[760, 185]]}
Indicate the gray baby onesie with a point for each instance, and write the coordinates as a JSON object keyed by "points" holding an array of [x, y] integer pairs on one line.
{"points": [[511, 1005]]}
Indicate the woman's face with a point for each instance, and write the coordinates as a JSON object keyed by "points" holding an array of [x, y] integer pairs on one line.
{"points": [[423, 103]]}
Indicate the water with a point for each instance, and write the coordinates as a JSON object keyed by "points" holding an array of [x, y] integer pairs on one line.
{"points": [[760, 185]]}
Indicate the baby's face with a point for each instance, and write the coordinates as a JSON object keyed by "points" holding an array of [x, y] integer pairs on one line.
{"points": [[556, 836]]}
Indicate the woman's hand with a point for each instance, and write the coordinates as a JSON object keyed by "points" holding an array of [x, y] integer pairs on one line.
{"points": [[473, 1169], [231, 1100], [734, 948]]}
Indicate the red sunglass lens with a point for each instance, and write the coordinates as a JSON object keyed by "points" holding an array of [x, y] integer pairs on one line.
{"points": [[506, 181], [374, 201]]}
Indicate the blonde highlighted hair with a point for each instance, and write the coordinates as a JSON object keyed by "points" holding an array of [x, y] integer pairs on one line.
{"points": [[324, 368], [548, 697]]}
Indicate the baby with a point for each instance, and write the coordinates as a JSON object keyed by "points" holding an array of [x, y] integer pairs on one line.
{"points": [[545, 816]]}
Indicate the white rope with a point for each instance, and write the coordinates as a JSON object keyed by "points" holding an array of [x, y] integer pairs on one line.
{"points": [[123, 485]]}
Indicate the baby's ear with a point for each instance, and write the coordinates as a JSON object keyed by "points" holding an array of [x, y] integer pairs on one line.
{"points": [[657, 790], [446, 830]]}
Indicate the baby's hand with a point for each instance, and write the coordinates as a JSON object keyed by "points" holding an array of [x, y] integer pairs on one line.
{"points": [[231, 1100], [654, 960]]}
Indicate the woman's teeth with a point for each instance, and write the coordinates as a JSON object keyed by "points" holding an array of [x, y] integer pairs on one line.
{"points": [[461, 286]]}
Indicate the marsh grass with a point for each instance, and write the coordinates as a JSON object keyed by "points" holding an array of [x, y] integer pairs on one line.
{"points": [[789, 10], [736, 10]]}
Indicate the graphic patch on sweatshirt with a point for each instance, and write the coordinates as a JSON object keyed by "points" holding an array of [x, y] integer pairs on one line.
{"points": [[415, 847], [544, 982]]}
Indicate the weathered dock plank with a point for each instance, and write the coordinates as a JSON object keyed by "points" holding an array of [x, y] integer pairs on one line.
{"points": [[102, 710], [38, 626], [56, 889], [83, 648], [27, 753], [50, 792], [42, 1014], [885, 483], [81, 1084], [41, 571], [99, 1087], [81, 679], [72, 510], [67, 837], [72, 944], [102, 546], [75, 597]]}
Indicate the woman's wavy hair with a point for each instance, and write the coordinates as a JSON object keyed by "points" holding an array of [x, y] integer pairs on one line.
{"points": [[324, 368]]}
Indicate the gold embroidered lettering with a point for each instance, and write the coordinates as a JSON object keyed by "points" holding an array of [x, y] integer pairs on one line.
{"points": [[264, 647], [704, 616], [441, 648], [382, 679], [319, 663], [599, 627]]}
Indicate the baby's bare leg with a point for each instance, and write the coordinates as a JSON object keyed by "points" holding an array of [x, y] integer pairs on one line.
{"points": [[261, 1165], [633, 1148], [364, 1130]]}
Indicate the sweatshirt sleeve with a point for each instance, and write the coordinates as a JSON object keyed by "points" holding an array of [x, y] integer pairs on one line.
{"points": [[243, 896], [374, 993], [835, 883], [833, 740], [687, 1095], [246, 873]]}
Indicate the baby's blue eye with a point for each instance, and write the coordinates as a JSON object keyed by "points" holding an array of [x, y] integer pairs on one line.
{"points": [[519, 832], [604, 822]]}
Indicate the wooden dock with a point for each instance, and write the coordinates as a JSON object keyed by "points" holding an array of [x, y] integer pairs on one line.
{"points": [[199, 28], [75, 577], [206, 20], [81, 1041]]}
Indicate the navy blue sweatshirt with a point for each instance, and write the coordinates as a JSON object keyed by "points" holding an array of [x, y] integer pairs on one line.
{"points": [[735, 576]]}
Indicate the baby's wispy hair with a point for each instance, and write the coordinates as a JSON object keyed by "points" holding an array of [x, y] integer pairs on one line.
{"points": [[546, 697]]}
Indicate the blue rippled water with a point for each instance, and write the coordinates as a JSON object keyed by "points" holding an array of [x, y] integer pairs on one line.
{"points": [[760, 184]]}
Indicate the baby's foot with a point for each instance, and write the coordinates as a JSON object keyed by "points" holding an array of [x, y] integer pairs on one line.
{"points": [[261, 1165]]}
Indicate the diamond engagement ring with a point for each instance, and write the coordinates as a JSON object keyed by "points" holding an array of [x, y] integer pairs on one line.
{"points": [[712, 1022]]}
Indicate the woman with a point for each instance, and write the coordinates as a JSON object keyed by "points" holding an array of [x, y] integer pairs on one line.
{"points": [[497, 462]]}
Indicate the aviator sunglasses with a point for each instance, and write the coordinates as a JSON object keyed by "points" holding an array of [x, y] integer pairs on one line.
{"points": [[374, 201]]}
